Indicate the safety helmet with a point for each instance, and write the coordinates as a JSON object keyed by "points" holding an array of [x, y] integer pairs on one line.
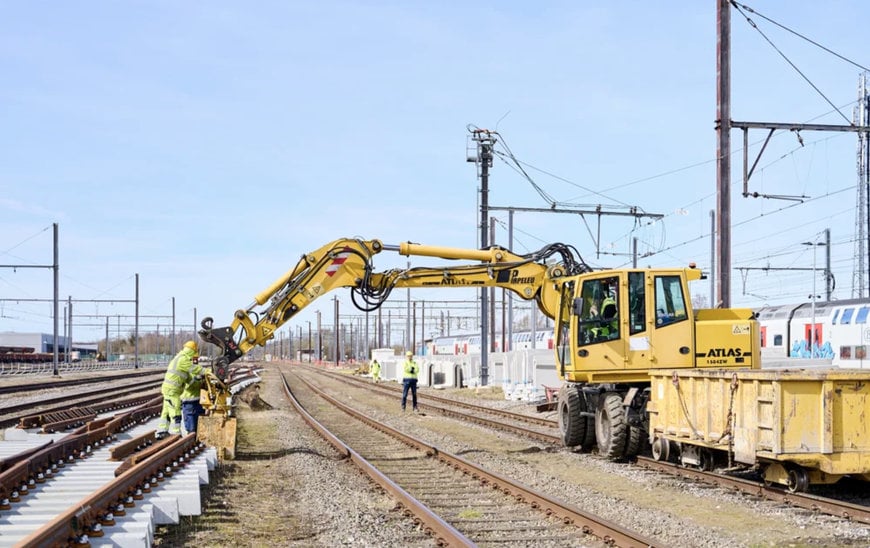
{"points": [[409, 353], [191, 345]]}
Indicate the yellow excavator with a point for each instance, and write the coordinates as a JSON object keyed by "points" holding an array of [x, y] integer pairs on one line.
{"points": [[613, 327]]}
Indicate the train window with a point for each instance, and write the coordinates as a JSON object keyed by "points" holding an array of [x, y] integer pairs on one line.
{"points": [[636, 302], [670, 302], [861, 317], [834, 317], [847, 315], [777, 340]]}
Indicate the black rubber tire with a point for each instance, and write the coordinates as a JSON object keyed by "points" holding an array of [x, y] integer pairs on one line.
{"points": [[611, 427], [574, 428], [634, 441]]}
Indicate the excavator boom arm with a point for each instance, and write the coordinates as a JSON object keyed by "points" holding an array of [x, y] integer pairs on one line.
{"points": [[348, 263]]}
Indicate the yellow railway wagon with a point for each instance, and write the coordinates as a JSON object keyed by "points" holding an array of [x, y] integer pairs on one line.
{"points": [[799, 427]]}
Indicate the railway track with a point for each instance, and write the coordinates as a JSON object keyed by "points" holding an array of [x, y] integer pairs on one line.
{"points": [[19, 388], [100, 398], [859, 513], [108, 480], [460, 503], [537, 428], [808, 501]]}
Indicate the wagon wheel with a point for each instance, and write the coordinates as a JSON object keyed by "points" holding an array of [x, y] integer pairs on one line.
{"points": [[661, 449], [708, 460], [574, 428], [798, 479], [611, 427]]}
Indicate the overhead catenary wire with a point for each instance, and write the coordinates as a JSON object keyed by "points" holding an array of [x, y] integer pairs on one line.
{"points": [[521, 166], [799, 35], [789, 61]]}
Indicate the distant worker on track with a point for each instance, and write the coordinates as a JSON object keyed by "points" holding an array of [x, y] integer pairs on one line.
{"points": [[178, 374], [409, 380], [376, 371]]}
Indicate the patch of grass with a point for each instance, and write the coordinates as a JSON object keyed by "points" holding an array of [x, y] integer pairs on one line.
{"points": [[481, 392], [470, 513], [243, 497]]}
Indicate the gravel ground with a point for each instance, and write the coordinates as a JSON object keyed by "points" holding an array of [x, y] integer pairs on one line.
{"points": [[288, 487]]}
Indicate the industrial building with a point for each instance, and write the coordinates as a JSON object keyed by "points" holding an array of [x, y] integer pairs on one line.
{"points": [[44, 343]]}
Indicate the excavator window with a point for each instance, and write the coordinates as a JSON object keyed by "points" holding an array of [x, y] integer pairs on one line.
{"points": [[670, 302], [636, 302], [599, 311], [563, 326]]}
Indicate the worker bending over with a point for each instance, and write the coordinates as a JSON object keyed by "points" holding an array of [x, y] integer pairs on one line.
{"points": [[191, 408], [180, 371]]}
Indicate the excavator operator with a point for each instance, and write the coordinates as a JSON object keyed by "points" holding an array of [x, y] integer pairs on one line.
{"points": [[603, 317]]}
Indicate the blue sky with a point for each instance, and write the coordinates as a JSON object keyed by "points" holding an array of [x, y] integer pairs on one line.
{"points": [[206, 146]]}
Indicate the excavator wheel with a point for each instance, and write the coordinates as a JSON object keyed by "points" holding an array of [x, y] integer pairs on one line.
{"points": [[611, 427], [576, 429], [634, 441]]}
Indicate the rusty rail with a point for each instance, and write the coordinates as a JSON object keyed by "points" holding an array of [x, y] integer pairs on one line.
{"points": [[35, 466], [86, 518], [96, 406], [519, 417], [807, 501], [42, 385], [444, 533], [606, 530]]}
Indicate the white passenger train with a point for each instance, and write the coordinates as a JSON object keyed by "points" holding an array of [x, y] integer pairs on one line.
{"points": [[842, 334], [456, 345], [842, 331]]}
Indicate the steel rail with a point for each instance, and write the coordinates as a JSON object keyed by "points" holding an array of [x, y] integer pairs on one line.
{"points": [[97, 396], [86, 517], [67, 396], [31, 467], [53, 421], [807, 501], [29, 387], [519, 417], [833, 507], [475, 418], [590, 524], [434, 525]]}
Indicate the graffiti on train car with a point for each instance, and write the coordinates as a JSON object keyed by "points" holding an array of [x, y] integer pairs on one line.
{"points": [[831, 330]]}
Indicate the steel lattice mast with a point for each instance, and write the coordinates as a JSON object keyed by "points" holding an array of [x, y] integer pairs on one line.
{"points": [[861, 117]]}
